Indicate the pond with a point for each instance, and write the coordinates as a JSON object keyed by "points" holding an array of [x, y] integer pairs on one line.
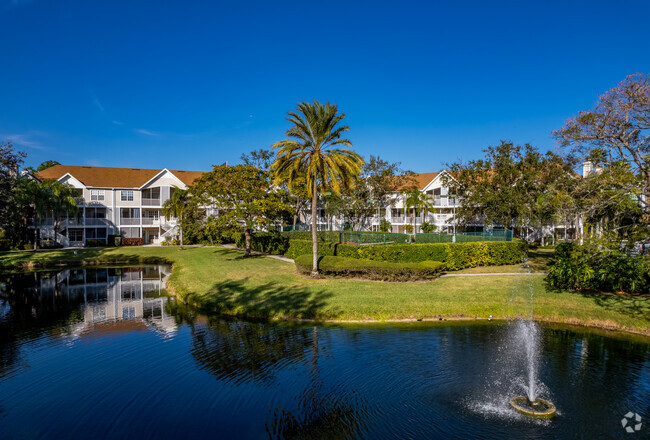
{"points": [[104, 353]]}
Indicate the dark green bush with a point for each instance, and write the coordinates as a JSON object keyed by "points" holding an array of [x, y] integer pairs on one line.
{"points": [[594, 267], [395, 253], [268, 242], [369, 269], [302, 247], [114, 239], [95, 242]]}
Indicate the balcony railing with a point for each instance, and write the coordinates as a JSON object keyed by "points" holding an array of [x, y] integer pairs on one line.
{"points": [[396, 219], [97, 221], [150, 202], [129, 221], [150, 221]]}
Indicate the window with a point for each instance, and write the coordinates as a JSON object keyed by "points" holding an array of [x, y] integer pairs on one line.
{"points": [[126, 195], [97, 195], [75, 234]]}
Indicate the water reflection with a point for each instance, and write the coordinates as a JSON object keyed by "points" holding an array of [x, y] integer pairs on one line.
{"points": [[77, 302]]}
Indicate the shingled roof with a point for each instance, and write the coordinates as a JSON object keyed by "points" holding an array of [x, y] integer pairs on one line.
{"points": [[107, 177]]}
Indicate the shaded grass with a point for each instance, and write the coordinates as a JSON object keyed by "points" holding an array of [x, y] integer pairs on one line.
{"points": [[220, 280]]}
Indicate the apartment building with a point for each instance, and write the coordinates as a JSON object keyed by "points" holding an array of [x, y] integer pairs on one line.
{"points": [[125, 201], [399, 215]]}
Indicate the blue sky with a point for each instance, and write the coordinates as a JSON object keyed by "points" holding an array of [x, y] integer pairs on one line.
{"points": [[185, 85]]}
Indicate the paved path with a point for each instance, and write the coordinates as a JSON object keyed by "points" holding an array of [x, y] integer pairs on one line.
{"points": [[275, 257]]}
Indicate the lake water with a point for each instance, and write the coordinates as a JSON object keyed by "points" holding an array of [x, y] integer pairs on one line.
{"points": [[103, 353]]}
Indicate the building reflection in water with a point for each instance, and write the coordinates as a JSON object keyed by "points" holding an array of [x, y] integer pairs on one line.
{"points": [[115, 299]]}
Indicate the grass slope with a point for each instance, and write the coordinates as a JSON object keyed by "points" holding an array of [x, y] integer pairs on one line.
{"points": [[220, 280]]}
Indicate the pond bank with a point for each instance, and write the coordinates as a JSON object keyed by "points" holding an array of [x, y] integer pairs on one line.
{"points": [[219, 280]]}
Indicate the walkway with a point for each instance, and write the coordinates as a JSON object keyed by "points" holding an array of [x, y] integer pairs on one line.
{"points": [[275, 257]]}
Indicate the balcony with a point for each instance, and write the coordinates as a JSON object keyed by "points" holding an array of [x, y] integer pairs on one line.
{"points": [[396, 219], [150, 221], [96, 222], [130, 221], [150, 202]]}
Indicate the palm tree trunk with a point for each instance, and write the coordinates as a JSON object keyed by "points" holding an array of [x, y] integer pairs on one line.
{"points": [[36, 231], [247, 235], [314, 233], [414, 223], [180, 227]]}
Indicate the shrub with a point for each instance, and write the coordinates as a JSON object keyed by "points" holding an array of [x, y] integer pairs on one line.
{"points": [[369, 269], [95, 242], [385, 226], [395, 253], [132, 242], [594, 267], [302, 247], [114, 239], [427, 227], [456, 256], [268, 242]]}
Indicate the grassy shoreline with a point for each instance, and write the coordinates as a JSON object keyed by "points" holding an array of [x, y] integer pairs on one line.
{"points": [[219, 280]]}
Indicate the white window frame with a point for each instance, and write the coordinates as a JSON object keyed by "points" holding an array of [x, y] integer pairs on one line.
{"points": [[126, 195], [97, 195]]}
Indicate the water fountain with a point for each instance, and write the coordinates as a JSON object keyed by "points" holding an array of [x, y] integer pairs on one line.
{"points": [[527, 336]]}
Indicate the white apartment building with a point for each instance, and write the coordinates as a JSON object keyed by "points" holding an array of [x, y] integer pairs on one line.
{"points": [[125, 201], [433, 184]]}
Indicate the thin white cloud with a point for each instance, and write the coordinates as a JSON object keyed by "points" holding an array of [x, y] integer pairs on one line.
{"points": [[24, 140], [145, 132], [118, 122]]}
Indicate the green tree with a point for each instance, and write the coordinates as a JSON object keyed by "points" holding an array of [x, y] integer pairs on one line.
{"points": [[310, 152], [40, 199], [420, 202], [505, 187], [615, 137], [10, 162], [243, 194], [62, 202], [176, 206], [374, 190]]}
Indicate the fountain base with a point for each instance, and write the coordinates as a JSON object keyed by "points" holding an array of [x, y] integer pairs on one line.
{"points": [[540, 408]]}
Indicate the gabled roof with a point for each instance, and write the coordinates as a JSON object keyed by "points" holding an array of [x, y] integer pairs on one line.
{"points": [[107, 177]]}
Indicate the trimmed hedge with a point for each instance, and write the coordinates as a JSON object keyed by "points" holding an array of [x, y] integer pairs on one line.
{"points": [[95, 242], [456, 256], [267, 242], [302, 247], [132, 242], [395, 253], [370, 269]]}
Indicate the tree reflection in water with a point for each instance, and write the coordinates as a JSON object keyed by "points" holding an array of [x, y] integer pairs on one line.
{"points": [[241, 352]]}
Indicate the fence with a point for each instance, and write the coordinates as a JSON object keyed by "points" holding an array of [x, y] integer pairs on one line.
{"points": [[390, 238]]}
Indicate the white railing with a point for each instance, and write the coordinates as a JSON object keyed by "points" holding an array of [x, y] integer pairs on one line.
{"points": [[150, 202], [397, 219], [150, 221], [129, 221]]}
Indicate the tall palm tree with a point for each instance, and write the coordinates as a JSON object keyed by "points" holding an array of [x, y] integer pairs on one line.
{"points": [[32, 194], [308, 153], [61, 200], [175, 206], [419, 201]]}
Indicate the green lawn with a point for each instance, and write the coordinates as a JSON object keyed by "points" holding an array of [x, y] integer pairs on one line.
{"points": [[220, 280]]}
